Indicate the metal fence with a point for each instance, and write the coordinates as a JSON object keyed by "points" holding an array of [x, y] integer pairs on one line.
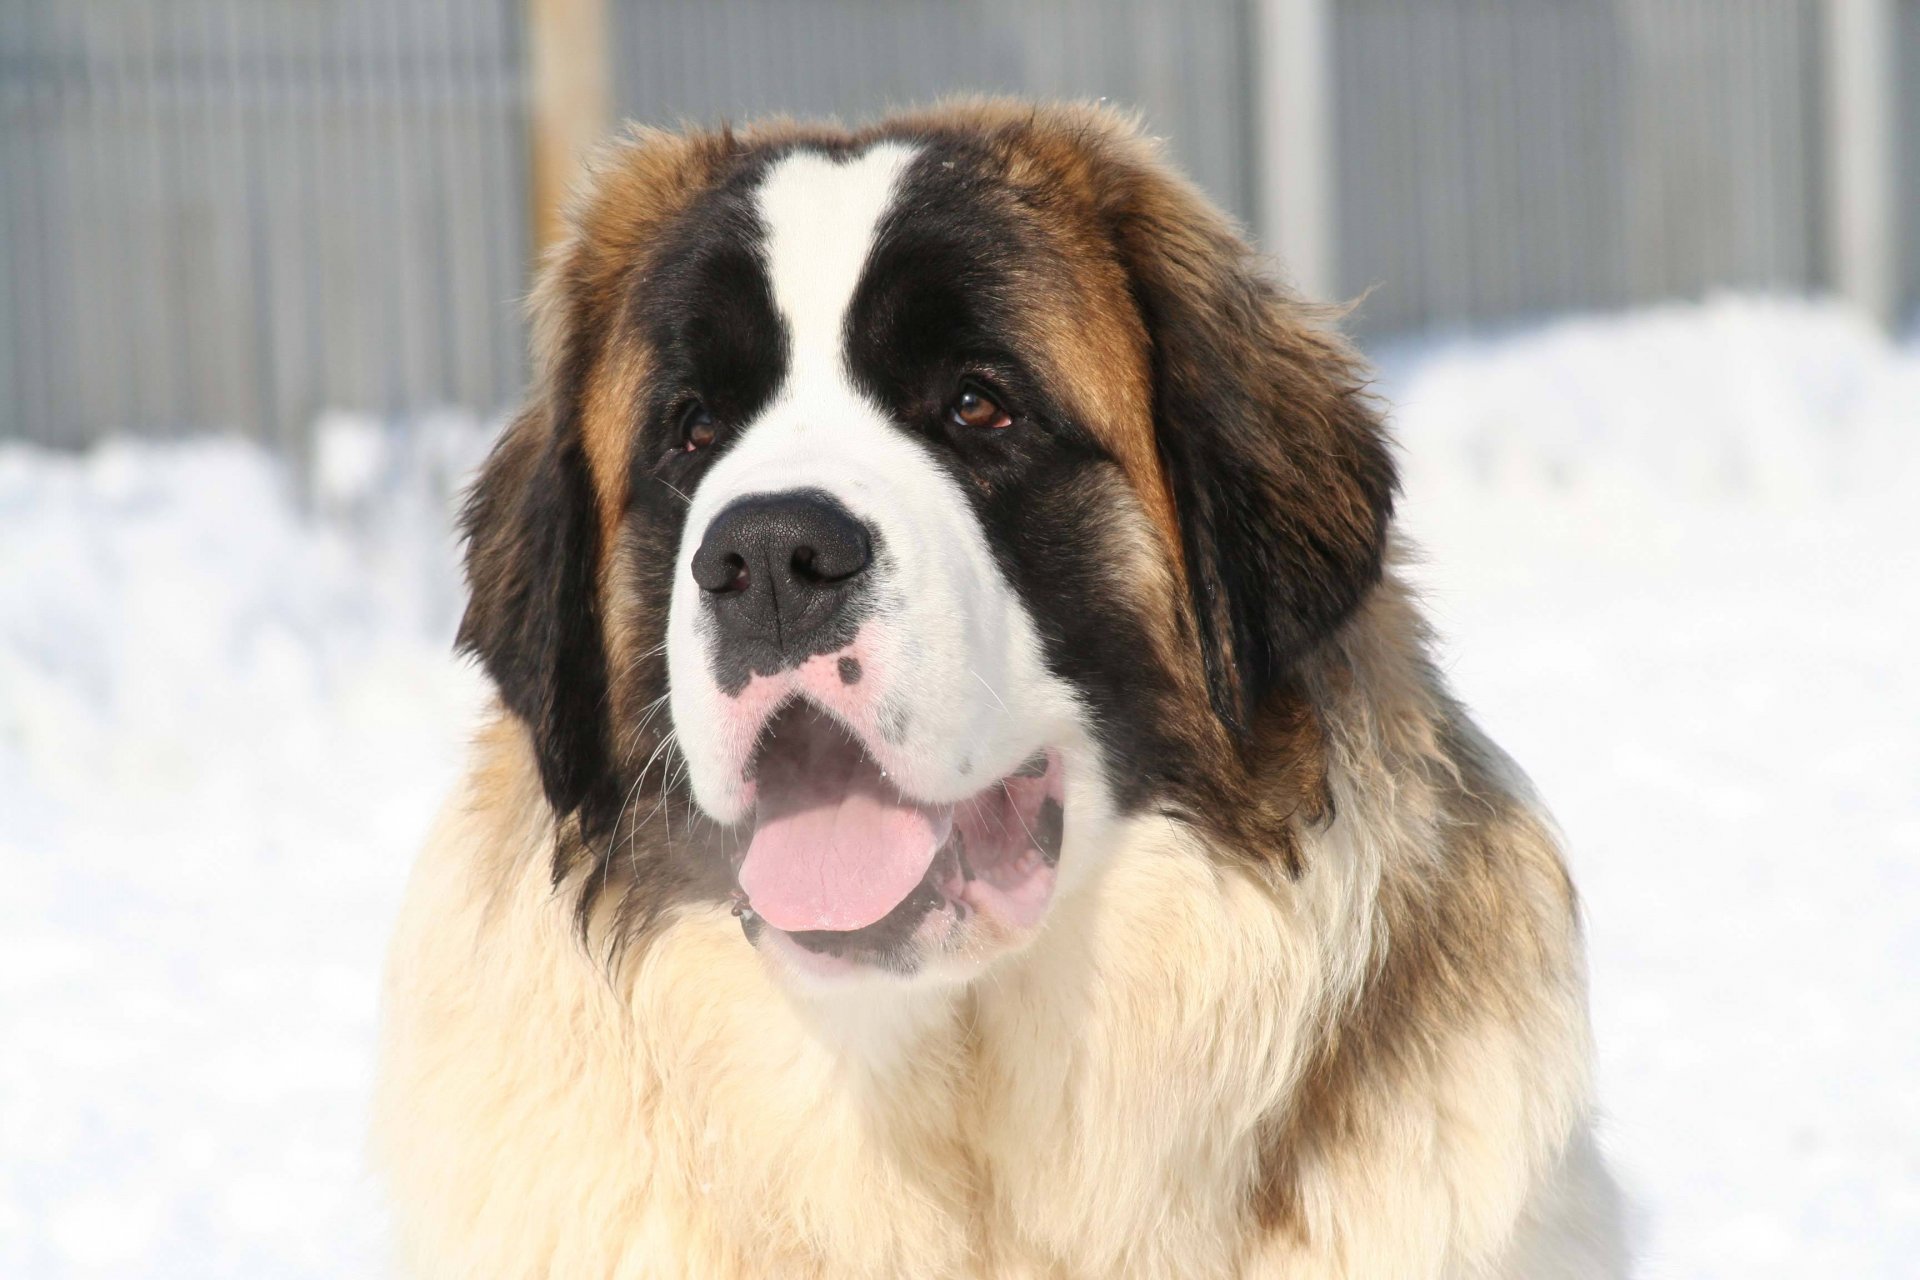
{"points": [[232, 214], [1187, 65], [1907, 160], [1504, 158]]}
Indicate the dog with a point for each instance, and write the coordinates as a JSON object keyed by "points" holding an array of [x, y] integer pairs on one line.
{"points": [[969, 793]]}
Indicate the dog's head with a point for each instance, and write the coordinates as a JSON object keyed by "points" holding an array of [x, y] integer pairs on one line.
{"points": [[899, 510]]}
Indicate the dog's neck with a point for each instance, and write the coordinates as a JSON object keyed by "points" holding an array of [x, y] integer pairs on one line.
{"points": [[873, 1027]]}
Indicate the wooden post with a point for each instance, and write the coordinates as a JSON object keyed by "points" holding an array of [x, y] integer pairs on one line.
{"points": [[569, 100], [1861, 106], [1293, 95]]}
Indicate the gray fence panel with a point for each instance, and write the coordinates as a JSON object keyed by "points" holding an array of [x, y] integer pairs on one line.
{"points": [[232, 214], [1187, 66], [1908, 186], [1501, 157], [236, 213]]}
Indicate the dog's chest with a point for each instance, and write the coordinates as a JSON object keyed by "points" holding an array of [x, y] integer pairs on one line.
{"points": [[992, 1134], [1080, 1115]]}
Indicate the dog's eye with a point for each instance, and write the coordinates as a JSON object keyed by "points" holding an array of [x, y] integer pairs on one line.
{"points": [[696, 427], [975, 410]]}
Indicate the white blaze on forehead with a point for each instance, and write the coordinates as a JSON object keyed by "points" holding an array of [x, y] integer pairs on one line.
{"points": [[821, 217], [956, 691]]}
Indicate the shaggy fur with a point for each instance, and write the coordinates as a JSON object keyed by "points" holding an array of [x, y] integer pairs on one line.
{"points": [[1314, 1002]]}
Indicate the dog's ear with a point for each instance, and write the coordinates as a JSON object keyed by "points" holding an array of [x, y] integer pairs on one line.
{"points": [[532, 615], [533, 520], [1279, 473]]}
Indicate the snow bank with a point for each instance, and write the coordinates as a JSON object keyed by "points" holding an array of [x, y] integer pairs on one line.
{"points": [[1739, 399], [1674, 557], [223, 728]]}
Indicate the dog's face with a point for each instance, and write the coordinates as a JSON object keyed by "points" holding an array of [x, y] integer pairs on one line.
{"points": [[901, 509]]}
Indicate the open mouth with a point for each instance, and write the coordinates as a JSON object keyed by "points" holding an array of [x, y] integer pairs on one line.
{"points": [[844, 864]]}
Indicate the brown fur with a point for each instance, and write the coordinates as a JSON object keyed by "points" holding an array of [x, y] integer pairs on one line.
{"points": [[1478, 931]]}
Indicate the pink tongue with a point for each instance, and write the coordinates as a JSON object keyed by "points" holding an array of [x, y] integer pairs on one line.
{"points": [[836, 846], [840, 865]]}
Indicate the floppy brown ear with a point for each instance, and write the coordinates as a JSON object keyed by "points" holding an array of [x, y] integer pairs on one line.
{"points": [[532, 520], [532, 617], [1279, 472]]}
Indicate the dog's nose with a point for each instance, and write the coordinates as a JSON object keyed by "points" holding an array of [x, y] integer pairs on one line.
{"points": [[778, 568]]}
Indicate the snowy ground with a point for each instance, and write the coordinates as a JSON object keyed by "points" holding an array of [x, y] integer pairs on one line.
{"points": [[1675, 556]]}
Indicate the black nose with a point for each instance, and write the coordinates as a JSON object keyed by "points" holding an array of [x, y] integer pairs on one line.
{"points": [[779, 570]]}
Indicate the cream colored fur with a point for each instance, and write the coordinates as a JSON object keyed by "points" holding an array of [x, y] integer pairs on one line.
{"points": [[1097, 1105]]}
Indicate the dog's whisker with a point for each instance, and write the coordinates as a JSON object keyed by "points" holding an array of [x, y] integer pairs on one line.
{"points": [[991, 692]]}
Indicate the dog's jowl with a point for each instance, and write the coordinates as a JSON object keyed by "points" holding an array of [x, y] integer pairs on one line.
{"points": [[968, 795]]}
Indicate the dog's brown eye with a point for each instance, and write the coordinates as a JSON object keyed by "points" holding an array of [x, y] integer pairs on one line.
{"points": [[974, 409], [696, 427]]}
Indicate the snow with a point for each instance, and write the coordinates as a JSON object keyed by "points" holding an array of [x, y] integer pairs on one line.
{"points": [[1675, 558], [223, 729]]}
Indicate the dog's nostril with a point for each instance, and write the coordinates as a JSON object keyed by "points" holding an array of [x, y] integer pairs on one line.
{"points": [[736, 566], [833, 558]]}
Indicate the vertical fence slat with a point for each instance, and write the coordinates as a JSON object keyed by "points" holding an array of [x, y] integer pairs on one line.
{"points": [[13, 235], [1908, 69], [1862, 101]]}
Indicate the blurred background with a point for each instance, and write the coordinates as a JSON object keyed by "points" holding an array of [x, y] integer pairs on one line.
{"points": [[1639, 277], [237, 214]]}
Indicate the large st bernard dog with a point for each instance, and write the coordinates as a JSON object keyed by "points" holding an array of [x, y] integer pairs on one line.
{"points": [[971, 795]]}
